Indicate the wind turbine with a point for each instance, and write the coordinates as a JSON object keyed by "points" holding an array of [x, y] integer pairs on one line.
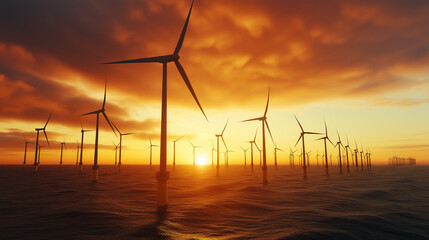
{"points": [[369, 155], [38, 159], [264, 122], [226, 156], [151, 145], [317, 158], [326, 149], [303, 144], [37, 142], [63, 145], [347, 154], [213, 149], [245, 150], [217, 138], [292, 157], [97, 112], [77, 152], [251, 148], [193, 152], [116, 152], [361, 159], [260, 154], [356, 156], [339, 144], [163, 175], [82, 131], [174, 151], [275, 153], [120, 143], [308, 158], [25, 152]]}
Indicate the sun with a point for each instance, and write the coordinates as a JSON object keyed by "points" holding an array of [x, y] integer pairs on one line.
{"points": [[201, 160]]}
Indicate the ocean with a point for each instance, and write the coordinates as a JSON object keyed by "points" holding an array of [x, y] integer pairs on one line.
{"points": [[385, 202]]}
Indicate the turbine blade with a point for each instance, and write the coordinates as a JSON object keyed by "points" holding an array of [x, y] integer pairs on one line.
{"points": [[311, 133], [107, 119], [46, 136], [330, 141], [157, 59], [226, 147], [104, 100], [182, 35], [47, 121], [94, 112], [299, 123], [81, 126], [326, 129], [188, 83], [255, 135], [178, 138], [253, 119], [339, 139], [116, 128], [298, 140], [269, 131], [225, 127], [150, 140], [125, 134], [268, 100], [256, 145]]}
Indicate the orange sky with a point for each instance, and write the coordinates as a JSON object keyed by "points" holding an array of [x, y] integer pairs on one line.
{"points": [[361, 66]]}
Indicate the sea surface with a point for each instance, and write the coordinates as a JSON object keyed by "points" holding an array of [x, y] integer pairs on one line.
{"points": [[383, 202]]}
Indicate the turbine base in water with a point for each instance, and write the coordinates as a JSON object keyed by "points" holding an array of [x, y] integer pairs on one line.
{"points": [[80, 168], [265, 174], [95, 173], [36, 168], [162, 188]]}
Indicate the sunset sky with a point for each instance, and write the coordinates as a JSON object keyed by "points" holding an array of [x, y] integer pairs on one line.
{"points": [[360, 65]]}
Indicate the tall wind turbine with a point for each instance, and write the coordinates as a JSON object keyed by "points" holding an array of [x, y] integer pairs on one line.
{"points": [[217, 139], [251, 148], [226, 156], [275, 153], [120, 143], [193, 152], [264, 122], [304, 165], [174, 151], [347, 147], [369, 155], [163, 175], [356, 156], [77, 152], [25, 152], [244, 151], [213, 149], [339, 144], [151, 145], [38, 158], [361, 159], [292, 157], [63, 145], [82, 131], [97, 112], [326, 149], [116, 152], [36, 164]]}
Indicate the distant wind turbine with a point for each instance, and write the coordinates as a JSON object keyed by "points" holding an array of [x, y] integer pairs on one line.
{"points": [[264, 122], [217, 139], [226, 156], [120, 143], [193, 152], [347, 147], [63, 145], [97, 112], [304, 165], [356, 156], [77, 152], [244, 151], [251, 148], [151, 145], [317, 158], [25, 152], [36, 164], [174, 151], [116, 152], [292, 157], [38, 159], [275, 153], [326, 150], [361, 159], [339, 144], [163, 175], [82, 131], [213, 149]]}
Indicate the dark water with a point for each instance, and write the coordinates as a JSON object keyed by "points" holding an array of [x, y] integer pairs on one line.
{"points": [[384, 203]]}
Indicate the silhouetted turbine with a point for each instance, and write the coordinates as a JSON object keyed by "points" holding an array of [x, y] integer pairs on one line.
{"points": [[25, 151], [82, 131], [292, 157], [38, 159], [213, 149], [77, 152], [264, 122], [174, 151], [339, 144], [193, 152], [275, 153], [63, 145], [97, 112], [151, 145], [116, 152], [356, 156], [37, 142], [326, 150], [245, 150], [361, 158], [251, 147], [217, 139], [347, 153], [163, 175], [304, 165], [120, 143]]}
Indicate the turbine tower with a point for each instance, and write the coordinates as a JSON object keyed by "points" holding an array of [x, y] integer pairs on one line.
{"points": [[38, 158], [77, 152], [82, 131], [292, 157], [25, 152], [339, 144], [174, 151], [347, 154], [326, 149], [217, 139], [264, 122], [63, 145], [97, 112], [193, 152], [356, 156], [116, 152], [213, 149], [245, 150], [151, 145], [303, 144], [120, 143], [163, 175], [36, 164], [317, 158], [251, 148], [275, 153], [361, 158]]}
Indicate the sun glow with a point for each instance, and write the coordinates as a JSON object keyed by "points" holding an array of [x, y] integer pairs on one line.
{"points": [[201, 160]]}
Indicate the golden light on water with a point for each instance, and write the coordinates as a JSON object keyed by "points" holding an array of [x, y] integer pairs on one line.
{"points": [[202, 160]]}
